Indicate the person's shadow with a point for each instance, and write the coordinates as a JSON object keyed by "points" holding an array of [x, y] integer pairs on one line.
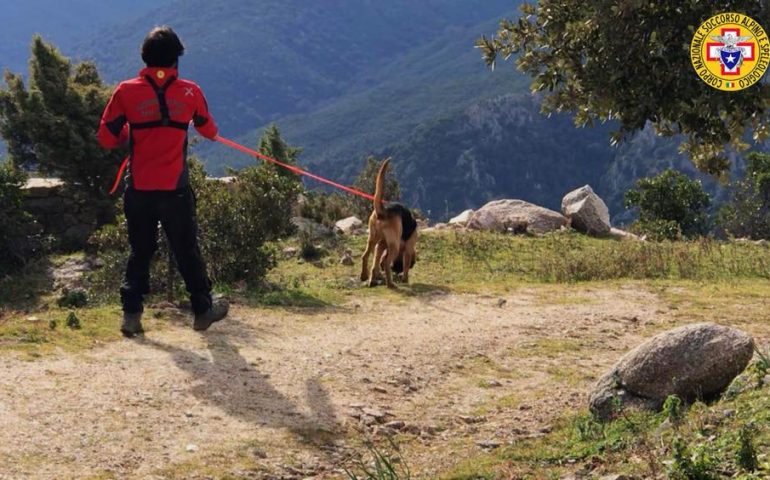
{"points": [[229, 381]]}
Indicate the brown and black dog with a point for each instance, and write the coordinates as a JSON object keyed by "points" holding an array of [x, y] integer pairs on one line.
{"points": [[392, 238]]}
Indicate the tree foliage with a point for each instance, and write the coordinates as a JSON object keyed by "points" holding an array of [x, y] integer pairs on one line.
{"points": [[50, 124], [236, 220], [670, 205], [747, 214], [629, 61], [365, 182], [16, 246]]}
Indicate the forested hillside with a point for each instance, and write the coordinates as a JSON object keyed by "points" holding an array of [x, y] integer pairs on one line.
{"points": [[261, 61], [347, 78], [64, 23]]}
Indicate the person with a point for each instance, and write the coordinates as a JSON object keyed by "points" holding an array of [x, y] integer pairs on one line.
{"points": [[152, 113]]}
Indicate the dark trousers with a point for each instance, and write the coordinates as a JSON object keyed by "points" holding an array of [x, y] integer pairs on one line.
{"points": [[175, 211]]}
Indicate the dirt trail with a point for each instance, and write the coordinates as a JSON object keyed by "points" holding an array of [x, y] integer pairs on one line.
{"points": [[456, 369]]}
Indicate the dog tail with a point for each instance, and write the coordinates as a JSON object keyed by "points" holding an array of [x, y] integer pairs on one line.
{"points": [[379, 190]]}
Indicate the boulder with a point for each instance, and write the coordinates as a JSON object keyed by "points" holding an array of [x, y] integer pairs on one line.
{"points": [[516, 216], [461, 219], [315, 229], [349, 226], [42, 187], [588, 213], [692, 362], [619, 234]]}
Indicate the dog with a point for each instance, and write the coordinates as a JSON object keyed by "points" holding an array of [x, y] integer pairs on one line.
{"points": [[392, 238]]}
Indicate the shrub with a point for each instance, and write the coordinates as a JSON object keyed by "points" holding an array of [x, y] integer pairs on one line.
{"points": [[670, 205], [747, 214], [325, 208], [17, 246], [365, 182], [235, 220], [77, 298], [48, 124]]}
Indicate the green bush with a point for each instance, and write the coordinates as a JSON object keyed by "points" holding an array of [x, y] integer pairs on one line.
{"points": [[747, 214], [365, 182], [235, 220], [17, 246], [670, 206], [326, 208]]}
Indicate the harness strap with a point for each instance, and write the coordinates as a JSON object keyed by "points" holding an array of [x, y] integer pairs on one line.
{"points": [[165, 118]]}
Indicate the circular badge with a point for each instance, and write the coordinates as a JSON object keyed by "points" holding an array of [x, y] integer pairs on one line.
{"points": [[161, 74], [730, 51]]}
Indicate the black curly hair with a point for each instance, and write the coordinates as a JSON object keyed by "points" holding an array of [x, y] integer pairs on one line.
{"points": [[162, 47]]}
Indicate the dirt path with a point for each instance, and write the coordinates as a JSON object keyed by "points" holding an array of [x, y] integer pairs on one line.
{"points": [[291, 388]]}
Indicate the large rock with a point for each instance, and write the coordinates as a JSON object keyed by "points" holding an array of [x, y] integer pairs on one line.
{"points": [[349, 226], [696, 361], [588, 213], [516, 216], [314, 229], [461, 219], [42, 187]]}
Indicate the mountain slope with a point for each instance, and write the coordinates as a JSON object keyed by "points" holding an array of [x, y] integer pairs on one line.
{"points": [[64, 23], [434, 80], [258, 61]]}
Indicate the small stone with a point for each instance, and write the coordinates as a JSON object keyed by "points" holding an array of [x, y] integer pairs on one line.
{"points": [[501, 303], [728, 413], [290, 252], [396, 425], [374, 413], [470, 419], [347, 258], [492, 384], [379, 389], [488, 444], [192, 448], [188, 414], [766, 380]]}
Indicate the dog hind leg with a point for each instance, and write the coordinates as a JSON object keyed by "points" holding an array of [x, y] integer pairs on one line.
{"points": [[375, 273]]}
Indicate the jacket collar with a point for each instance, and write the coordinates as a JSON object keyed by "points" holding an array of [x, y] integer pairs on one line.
{"points": [[159, 75]]}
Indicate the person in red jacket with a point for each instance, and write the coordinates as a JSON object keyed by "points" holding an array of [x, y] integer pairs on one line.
{"points": [[152, 113]]}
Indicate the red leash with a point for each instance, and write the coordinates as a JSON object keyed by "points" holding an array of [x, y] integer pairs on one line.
{"points": [[292, 168], [255, 153], [120, 176]]}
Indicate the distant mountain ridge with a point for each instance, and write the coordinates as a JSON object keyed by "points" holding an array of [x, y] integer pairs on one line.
{"points": [[261, 61], [63, 22], [348, 78]]}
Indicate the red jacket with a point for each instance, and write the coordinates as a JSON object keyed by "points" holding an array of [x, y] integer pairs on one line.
{"points": [[152, 112]]}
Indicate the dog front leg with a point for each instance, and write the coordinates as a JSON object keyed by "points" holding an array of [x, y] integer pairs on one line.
{"points": [[392, 253], [365, 259]]}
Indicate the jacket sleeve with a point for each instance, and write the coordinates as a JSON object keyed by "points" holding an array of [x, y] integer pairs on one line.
{"points": [[113, 129], [202, 119]]}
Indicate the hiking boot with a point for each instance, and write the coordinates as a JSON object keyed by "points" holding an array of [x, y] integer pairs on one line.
{"points": [[132, 324], [217, 312]]}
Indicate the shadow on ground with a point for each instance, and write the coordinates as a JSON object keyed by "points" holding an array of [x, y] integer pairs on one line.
{"points": [[229, 381]]}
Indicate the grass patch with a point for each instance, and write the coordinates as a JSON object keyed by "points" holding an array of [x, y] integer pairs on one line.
{"points": [[37, 334], [727, 439], [492, 263]]}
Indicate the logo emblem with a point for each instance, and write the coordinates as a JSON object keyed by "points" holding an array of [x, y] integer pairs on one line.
{"points": [[160, 74], [730, 52], [188, 92]]}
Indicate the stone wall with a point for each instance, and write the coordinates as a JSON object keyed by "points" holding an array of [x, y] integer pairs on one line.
{"points": [[59, 213]]}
